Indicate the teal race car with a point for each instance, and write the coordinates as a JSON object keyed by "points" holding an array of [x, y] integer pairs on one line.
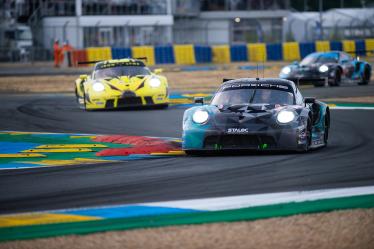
{"points": [[328, 68], [256, 114]]}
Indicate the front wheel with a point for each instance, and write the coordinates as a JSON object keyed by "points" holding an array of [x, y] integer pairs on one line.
{"points": [[327, 126], [337, 78], [308, 131], [365, 76]]}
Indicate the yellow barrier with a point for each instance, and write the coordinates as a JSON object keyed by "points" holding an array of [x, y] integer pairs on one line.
{"points": [[221, 54], [291, 51], [99, 54], [322, 46], [349, 46], [256, 52], [144, 51], [184, 54], [369, 46]]}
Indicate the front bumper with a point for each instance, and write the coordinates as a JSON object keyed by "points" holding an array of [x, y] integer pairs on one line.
{"points": [[114, 102], [314, 77], [272, 139]]}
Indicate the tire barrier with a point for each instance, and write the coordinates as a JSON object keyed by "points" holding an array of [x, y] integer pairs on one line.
{"points": [[184, 54], [221, 54], [238, 53], [322, 46], [144, 51], [291, 51], [256, 52], [164, 55], [190, 54]]}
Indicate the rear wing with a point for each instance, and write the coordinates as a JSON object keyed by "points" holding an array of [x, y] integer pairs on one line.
{"points": [[224, 80], [94, 62], [87, 62]]}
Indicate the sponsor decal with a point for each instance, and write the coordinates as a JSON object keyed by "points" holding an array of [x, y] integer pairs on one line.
{"points": [[255, 85], [237, 130]]}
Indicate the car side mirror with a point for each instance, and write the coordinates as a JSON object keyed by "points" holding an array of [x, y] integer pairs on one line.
{"points": [[199, 100], [83, 76], [309, 100], [158, 70]]}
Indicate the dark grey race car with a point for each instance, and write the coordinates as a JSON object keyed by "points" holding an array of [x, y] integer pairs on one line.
{"points": [[259, 114], [332, 68]]}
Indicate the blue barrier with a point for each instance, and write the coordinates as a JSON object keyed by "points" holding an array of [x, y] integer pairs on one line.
{"points": [[120, 53], [360, 47], [164, 54], [307, 48], [336, 45], [274, 52], [238, 53], [203, 54]]}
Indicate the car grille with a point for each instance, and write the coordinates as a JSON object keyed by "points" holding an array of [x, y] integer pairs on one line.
{"points": [[128, 101], [239, 142]]}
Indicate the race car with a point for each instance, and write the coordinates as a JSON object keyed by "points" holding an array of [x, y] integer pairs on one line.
{"points": [[330, 68], [256, 114], [121, 83]]}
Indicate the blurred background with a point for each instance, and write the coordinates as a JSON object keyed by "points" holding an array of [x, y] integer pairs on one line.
{"points": [[28, 28]]}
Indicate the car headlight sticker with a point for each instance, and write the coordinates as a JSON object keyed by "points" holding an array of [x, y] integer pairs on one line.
{"points": [[200, 117], [154, 82], [98, 87], [323, 69], [286, 70], [286, 116]]}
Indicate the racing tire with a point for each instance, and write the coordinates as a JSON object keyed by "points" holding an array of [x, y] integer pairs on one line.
{"points": [[309, 135], [327, 127], [76, 96], [337, 78], [366, 76], [77, 99], [84, 102]]}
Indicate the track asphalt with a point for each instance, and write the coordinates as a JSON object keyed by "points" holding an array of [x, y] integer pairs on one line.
{"points": [[346, 162]]}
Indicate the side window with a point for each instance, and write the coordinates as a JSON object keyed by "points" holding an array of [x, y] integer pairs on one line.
{"points": [[345, 57], [299, 98]]}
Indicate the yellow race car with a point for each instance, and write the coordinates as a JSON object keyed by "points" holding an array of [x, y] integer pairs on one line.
{"points": [[121, 83]]}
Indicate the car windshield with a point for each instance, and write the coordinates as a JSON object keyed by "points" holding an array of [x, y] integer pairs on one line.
{"points": [[258, 96], [320, 58], [112, 72]]}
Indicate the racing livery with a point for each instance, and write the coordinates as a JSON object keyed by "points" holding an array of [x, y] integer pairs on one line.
{"points": [[121, 83], [330, 68], [256, 114]]}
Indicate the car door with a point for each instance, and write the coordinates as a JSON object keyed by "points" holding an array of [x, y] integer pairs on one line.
{"points": [[347, 63]]}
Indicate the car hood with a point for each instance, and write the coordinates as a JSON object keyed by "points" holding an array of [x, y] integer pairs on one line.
{"points": [[126, 83], [256, 117]]}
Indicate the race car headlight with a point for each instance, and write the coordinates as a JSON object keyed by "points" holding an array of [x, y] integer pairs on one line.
{"points": [[323, 69], [200, 116], [98, 87], [154, 82], [286, 70], [285, 116]]}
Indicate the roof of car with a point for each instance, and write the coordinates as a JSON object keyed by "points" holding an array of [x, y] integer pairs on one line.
{"points": [[327, 52], [275, 81]]}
